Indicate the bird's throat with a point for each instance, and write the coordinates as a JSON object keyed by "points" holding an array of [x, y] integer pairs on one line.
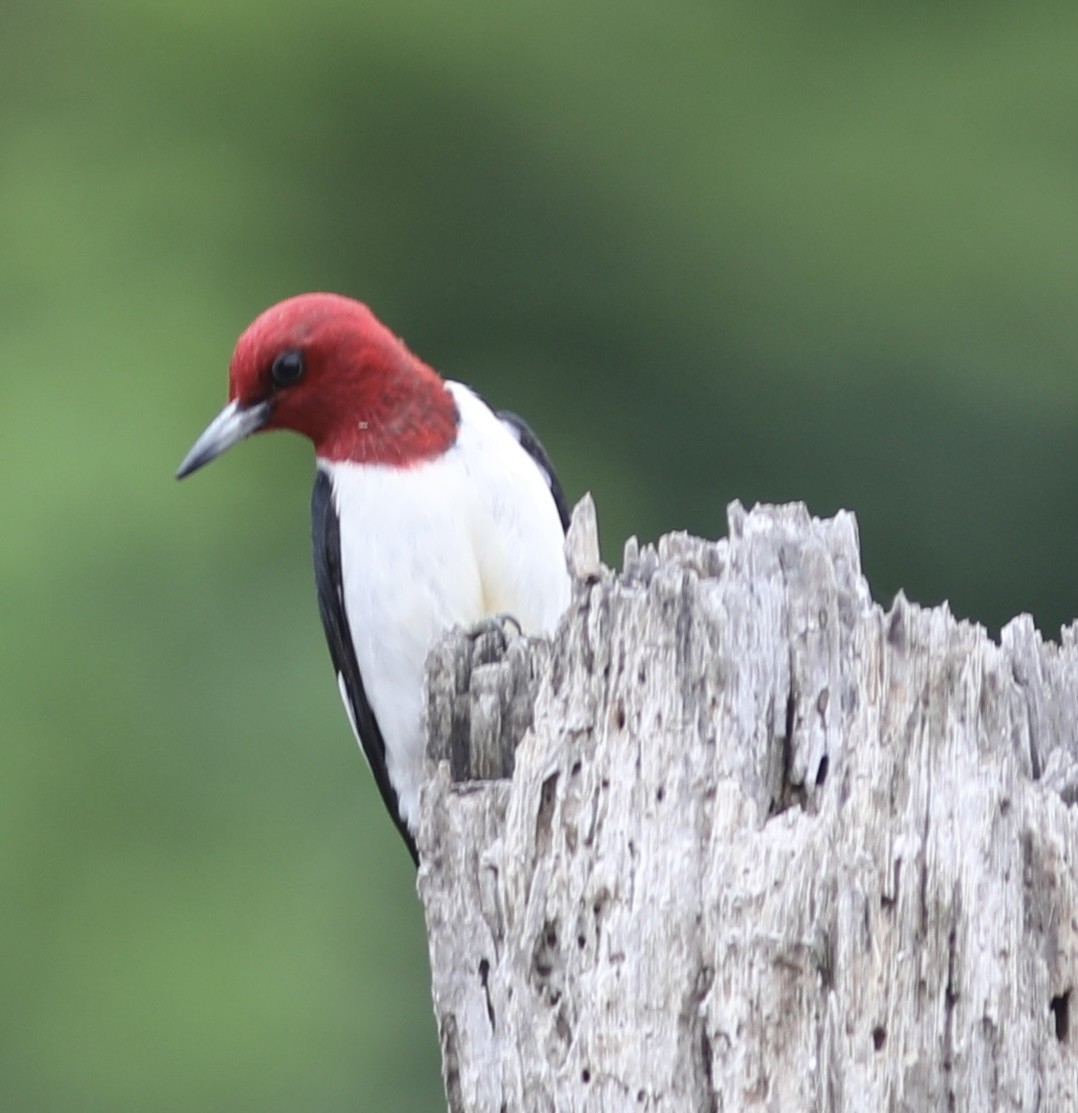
{"points": [[400, 420]]}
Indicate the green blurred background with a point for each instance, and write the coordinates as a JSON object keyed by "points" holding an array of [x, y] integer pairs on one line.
{"points": [[711, 250]]}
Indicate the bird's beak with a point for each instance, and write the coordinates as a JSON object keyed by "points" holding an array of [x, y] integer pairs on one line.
{"points": [[229, 427]]}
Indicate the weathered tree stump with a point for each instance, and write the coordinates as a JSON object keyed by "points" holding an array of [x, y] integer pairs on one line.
{"points": [[765, 845]]}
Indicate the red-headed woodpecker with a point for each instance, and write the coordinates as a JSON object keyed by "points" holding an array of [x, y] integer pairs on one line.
{"points": [[429, 511]]}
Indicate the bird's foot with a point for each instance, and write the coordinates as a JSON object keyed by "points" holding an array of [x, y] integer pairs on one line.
{"points": [[492, 635]]}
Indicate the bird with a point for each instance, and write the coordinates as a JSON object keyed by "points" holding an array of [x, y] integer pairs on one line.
{"points": [[430, 510]]}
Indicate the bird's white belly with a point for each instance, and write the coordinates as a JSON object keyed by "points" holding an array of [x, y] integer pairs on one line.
{"points": [[408, 575]]}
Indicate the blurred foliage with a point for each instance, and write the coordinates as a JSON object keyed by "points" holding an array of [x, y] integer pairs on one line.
{"points": [[712, 250]]}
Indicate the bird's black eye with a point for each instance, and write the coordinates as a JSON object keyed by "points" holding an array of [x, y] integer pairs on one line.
{"points": [[287, 368]]}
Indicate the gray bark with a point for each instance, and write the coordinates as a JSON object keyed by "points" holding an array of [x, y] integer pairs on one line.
{"points": [[765, 845]]}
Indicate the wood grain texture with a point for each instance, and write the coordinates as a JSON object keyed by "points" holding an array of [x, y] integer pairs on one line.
{"points": [[765, 845]]}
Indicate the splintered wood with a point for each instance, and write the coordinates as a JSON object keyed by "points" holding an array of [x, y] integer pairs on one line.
{"points": [[764, 844]]}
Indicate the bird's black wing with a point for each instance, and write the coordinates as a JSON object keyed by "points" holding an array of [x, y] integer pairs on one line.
{"points": [[326, 542], [522, 432]]}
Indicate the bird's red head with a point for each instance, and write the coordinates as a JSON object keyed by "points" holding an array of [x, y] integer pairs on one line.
{"points": [[325, 366]]}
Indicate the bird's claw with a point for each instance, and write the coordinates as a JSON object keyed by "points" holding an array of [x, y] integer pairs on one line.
{"points": [[492, 634]]}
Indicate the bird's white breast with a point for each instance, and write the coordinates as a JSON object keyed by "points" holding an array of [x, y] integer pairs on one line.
{"points": [[443, 543]]}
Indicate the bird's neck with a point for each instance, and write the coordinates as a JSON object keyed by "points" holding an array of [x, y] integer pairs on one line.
{"points": [[402, 416]]}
